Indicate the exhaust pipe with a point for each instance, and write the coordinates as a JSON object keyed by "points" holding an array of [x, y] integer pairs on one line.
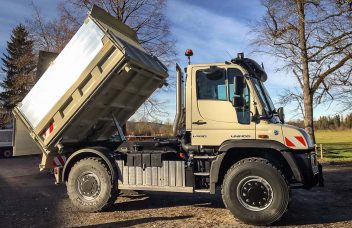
{"points": [[178, 99]]}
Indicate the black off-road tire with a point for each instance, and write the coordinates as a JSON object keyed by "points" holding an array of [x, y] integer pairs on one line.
{"points": [[106, 194], [233, 190]]}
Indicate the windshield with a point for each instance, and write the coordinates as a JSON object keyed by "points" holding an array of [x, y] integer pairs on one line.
{"points": [[263, 94]]}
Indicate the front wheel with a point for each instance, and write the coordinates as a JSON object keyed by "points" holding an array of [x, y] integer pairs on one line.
{"points": [[90, 185], [255, 191]]}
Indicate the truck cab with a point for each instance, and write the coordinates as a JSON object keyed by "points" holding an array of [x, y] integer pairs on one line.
{"points": [[228, 101], [225, 110], [227, 106]]}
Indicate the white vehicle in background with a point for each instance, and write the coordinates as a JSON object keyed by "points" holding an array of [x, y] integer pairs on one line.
{"points": [[23, 143], [6, 143]]}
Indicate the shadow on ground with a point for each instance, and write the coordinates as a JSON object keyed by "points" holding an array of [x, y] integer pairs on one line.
{"points": [[154, 200], [320, 205], [30, 198], [140, 221], [329, 204]]}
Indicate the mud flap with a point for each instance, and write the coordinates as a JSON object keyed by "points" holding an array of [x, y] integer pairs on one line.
{"points": [[58, 174]]}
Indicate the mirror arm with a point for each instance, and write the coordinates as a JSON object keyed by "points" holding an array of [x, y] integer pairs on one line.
{"points": [[255, 116]]}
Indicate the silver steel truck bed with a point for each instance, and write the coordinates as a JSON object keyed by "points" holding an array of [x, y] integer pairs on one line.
{"points": [[103, 71]]}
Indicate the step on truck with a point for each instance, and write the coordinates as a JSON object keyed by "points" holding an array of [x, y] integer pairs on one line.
{"points": [[227, 132]]}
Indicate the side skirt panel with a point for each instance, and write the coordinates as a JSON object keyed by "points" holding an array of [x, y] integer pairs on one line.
{"points": [[170, 177]]}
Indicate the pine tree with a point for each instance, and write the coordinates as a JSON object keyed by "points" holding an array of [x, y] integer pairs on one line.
{"points": [[18, 66]]}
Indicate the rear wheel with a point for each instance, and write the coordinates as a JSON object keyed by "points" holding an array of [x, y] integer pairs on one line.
{"points": [[255, 191], [90, 185], [7, 153]]}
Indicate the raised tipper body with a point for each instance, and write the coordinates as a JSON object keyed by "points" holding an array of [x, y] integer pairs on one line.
{"points": [[102, 73]]}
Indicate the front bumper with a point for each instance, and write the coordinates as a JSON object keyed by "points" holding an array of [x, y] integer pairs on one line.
{"points": [[310, 169]]}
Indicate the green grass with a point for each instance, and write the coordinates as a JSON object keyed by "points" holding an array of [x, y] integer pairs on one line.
{"points": [[337, 145]]}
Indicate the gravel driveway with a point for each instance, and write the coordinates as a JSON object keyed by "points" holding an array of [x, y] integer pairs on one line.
{"points": [[29, 198]]}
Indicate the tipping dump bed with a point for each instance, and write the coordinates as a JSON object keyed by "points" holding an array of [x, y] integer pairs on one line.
{"points": [[103, 71]]}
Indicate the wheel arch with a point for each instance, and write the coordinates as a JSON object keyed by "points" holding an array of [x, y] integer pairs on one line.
{"points": [[102, 152], [235, 150]]}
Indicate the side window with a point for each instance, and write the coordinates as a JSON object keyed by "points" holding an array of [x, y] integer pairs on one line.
{"points": [[239, 89], [234, 75], [211, 85]]}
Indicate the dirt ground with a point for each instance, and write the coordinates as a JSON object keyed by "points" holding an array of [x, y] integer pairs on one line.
{"points": [[29, 198]]}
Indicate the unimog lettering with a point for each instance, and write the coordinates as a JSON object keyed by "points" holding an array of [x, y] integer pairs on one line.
{"points": [[199, 136], [240, 136]]}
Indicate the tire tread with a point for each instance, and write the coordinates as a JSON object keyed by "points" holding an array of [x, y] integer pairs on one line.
{"points": [[251, 160], [112, 193]]}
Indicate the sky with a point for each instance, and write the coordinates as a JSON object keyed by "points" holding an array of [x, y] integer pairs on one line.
{"points": [[215, 32]]}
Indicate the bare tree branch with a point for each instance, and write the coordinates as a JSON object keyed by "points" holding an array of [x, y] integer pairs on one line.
{"points": [[329, 71], [146, 17], [313, 39]]}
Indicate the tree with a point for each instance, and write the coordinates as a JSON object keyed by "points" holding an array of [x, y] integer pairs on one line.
{"points": [[313, 39], [18, 65], [146, 17], [51, 35]]}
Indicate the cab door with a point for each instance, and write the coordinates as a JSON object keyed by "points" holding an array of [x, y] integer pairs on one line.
{"points": [[214, 117]]}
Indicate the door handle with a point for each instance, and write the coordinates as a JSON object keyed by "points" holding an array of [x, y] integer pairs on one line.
{"points": [[199, 122]]}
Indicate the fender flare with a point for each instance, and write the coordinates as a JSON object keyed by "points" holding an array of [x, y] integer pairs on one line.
{"points": [[251, 143], [102, 152]]}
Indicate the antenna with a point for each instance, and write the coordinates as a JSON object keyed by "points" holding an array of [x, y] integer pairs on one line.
{"points": [[229, 54], [263, 66]]}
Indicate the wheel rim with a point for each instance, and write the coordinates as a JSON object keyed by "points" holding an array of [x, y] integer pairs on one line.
{"points": [[7, 154], [88, 186], [255, 193]]}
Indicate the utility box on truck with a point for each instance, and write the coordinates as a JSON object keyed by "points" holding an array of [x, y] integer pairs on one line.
{"points": [[103, 73]]}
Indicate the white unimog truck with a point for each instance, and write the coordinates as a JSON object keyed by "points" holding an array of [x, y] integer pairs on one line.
{"points": [[227, 132]]}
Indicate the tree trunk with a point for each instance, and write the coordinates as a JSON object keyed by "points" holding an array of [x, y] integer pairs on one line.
{"points": [[308, 115], [307, 93]]}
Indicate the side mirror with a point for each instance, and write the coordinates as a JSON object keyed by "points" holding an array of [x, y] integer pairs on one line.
{"points": [[238, 101], [281, 114]]}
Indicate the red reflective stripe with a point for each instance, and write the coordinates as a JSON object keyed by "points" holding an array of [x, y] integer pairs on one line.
{"points": [[289, 143], [301, 140], [48, 130], [51, 128]]}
